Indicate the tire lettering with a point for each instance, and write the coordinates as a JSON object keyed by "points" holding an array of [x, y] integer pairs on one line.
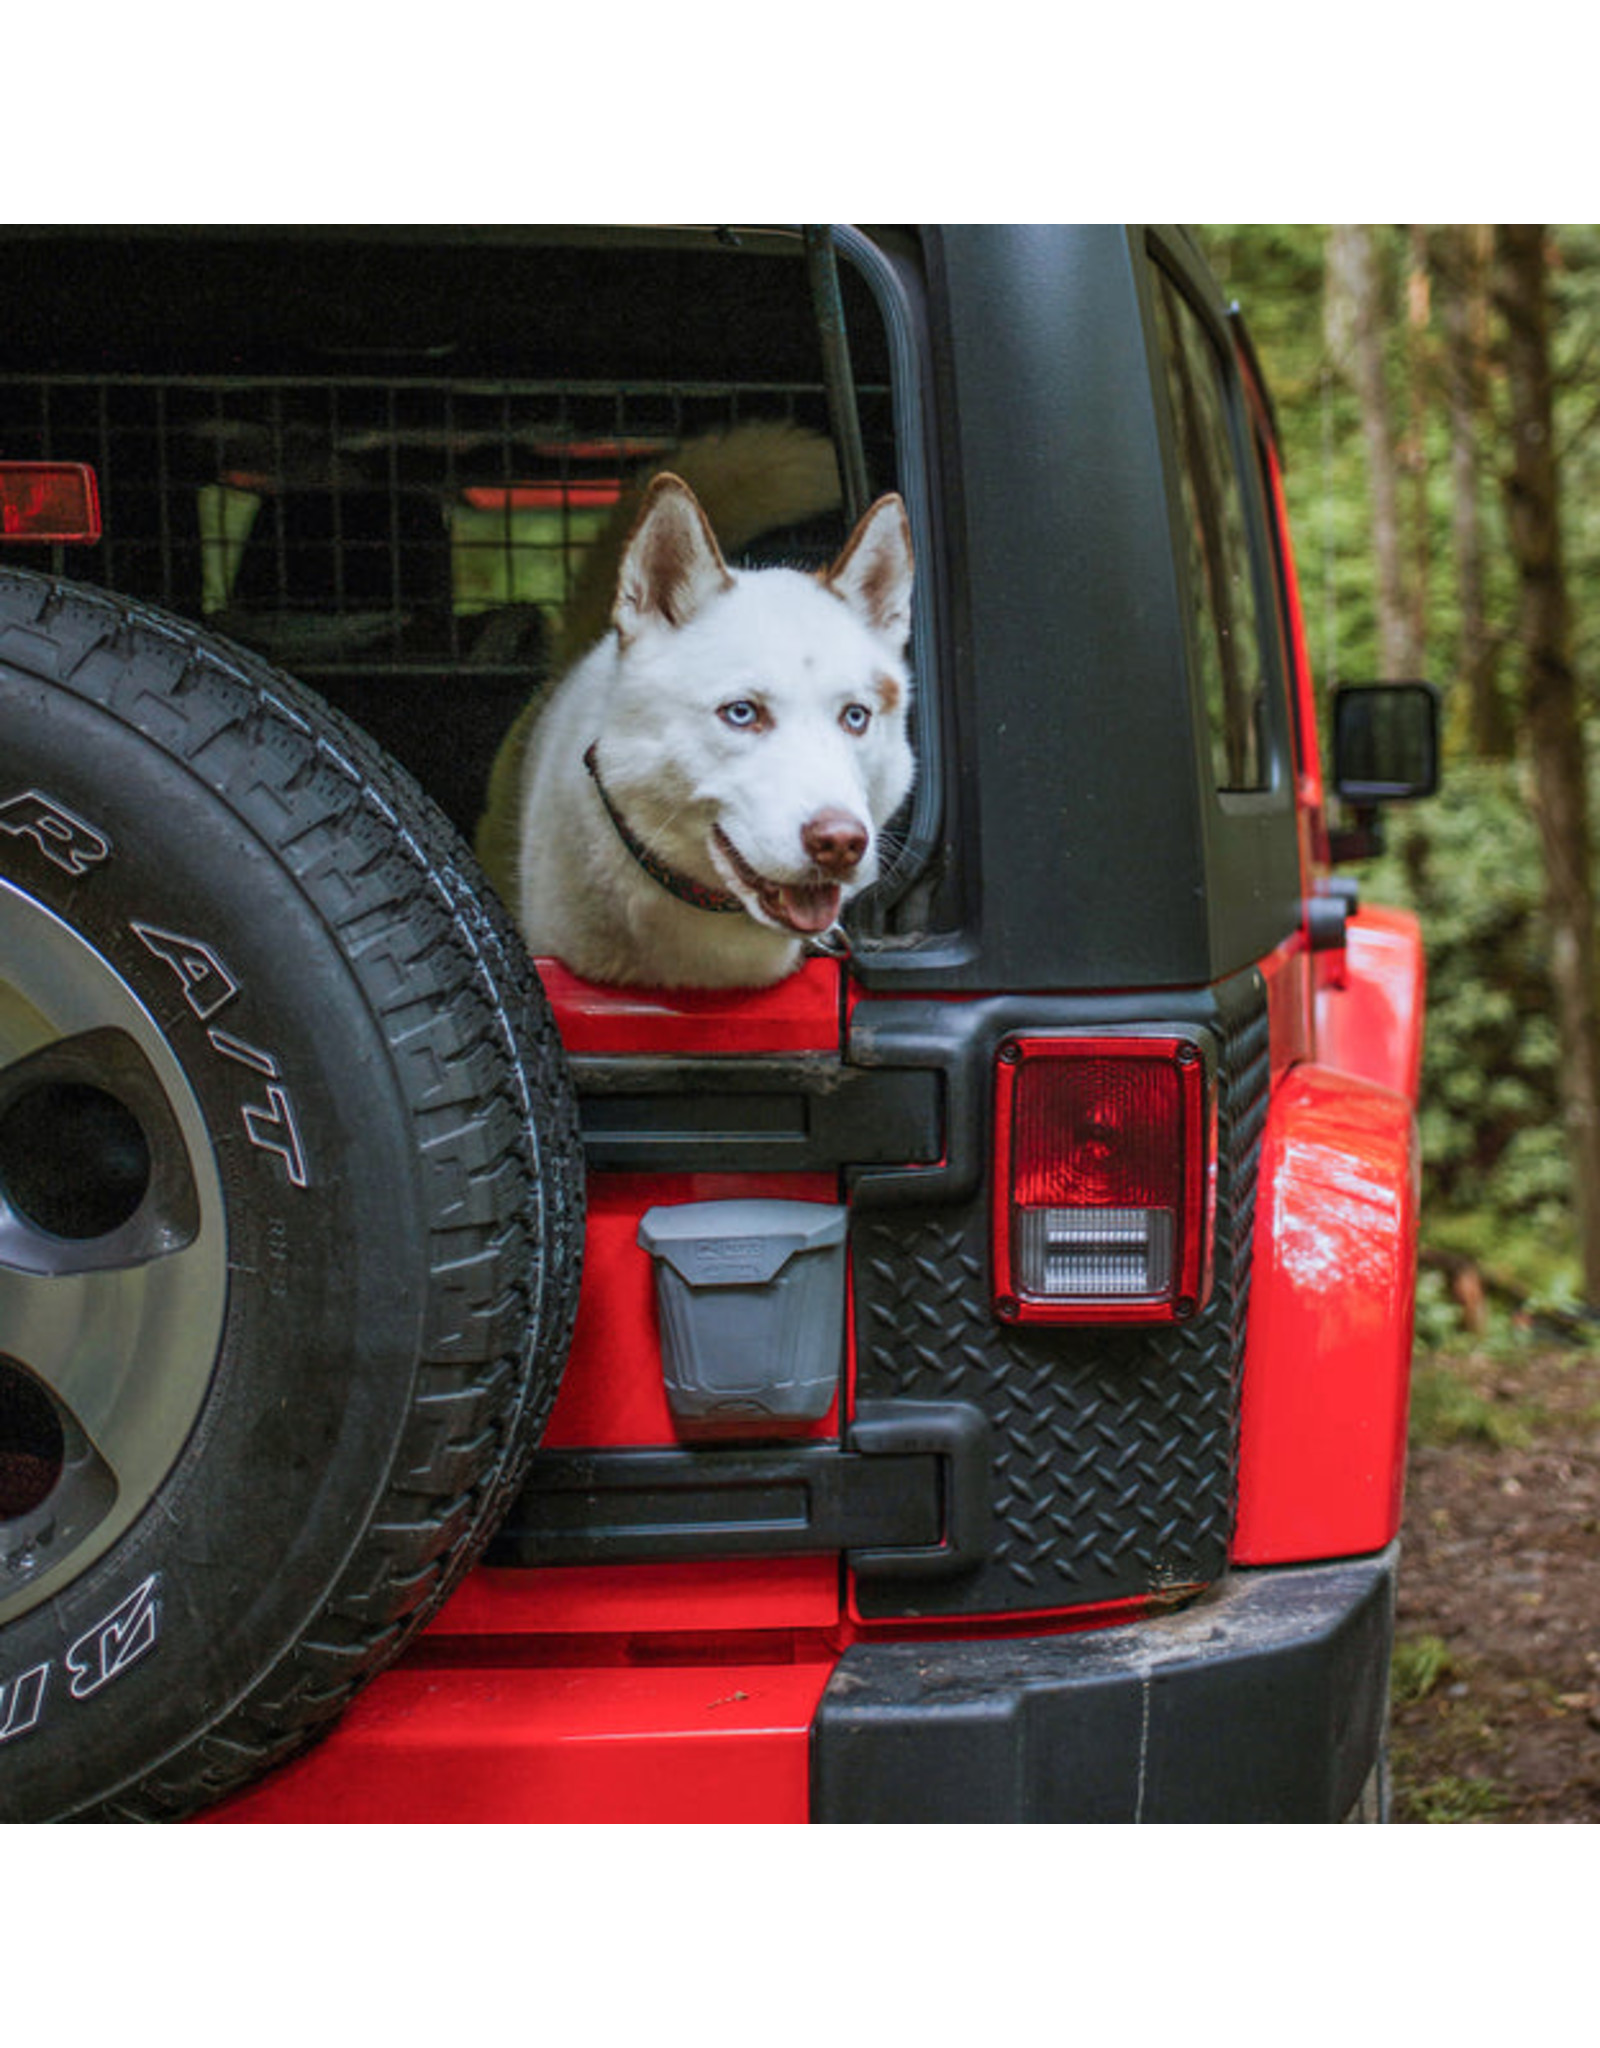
{"points": [[203, 977], [232, 1048], [59, 834], [22, 1702], [207, 985], [272, 1129], [105, 1651], [102, 1653], [276, 1268]]}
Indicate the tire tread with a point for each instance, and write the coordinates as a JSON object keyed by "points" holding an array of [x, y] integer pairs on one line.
{"points": [[476, 1054]]}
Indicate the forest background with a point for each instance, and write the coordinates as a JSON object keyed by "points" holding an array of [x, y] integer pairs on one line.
{"points": [[1438, 395]]}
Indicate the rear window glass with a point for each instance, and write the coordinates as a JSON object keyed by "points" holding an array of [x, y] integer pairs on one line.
{"points": [[1226, 629]]}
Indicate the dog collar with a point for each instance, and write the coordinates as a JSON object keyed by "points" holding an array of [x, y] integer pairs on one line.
{"points": [[699, 894]]}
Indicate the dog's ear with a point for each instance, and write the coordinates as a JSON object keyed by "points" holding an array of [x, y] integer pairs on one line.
{"points": [[671, 564], [873, 575]]}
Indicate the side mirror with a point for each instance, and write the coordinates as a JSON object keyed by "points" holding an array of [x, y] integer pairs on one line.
{"points": [[1385, 750], [1385, 743]]}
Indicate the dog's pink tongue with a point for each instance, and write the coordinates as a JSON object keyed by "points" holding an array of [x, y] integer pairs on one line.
{"points": [[808, 908]]}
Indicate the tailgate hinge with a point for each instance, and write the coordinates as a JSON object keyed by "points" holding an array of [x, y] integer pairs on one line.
{"points": [[906, 1495]]}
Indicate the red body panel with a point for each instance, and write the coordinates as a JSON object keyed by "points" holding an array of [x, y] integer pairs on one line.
{"points": [[673, 1598], [800, 1014], [1327, 1371], [1328, 1356], [1370, 1010], [510, 1742], [1288, 975]]}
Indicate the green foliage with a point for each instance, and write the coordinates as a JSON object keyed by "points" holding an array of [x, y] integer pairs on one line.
{"points": [[1276, 275], [1447, 1408], [1450, 1801], [1438, 1323], [1575, 311], [1418, 1664], [1469, 861], [1497, 1174]]}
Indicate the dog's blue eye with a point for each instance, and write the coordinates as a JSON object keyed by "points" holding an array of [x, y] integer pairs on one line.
{"points": [[855, 718], [741, 714]]}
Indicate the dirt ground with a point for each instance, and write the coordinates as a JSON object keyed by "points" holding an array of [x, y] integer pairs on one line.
{"points": [[1497, 1661]]}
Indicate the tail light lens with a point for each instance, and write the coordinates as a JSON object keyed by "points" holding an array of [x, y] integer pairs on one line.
{"points": [[1105, 1179], [49, 501]]}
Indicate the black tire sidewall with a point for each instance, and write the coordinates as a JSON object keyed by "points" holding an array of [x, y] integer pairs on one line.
{"points": [[327, 1268]]}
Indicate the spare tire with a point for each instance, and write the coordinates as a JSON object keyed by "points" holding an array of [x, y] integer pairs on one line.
{"points": [[291, 1209]]}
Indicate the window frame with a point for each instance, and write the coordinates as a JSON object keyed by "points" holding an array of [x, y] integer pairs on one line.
{"points": [[1275, 719]]}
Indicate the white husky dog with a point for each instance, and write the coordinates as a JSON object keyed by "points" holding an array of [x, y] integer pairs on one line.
{"points": [[705, 790]]}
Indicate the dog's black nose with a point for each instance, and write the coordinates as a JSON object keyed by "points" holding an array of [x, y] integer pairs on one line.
{"points": [[835, 841]]}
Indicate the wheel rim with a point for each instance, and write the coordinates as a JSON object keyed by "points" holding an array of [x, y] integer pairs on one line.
{"points": [[113, 1255]]}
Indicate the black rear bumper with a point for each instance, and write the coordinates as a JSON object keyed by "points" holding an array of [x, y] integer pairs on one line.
{"points": [[1264, 1701]]}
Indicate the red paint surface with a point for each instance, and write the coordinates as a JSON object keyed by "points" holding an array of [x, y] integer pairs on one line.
{"points": [[800, 1014], [517, 1743], [1286, 976], [1328, 1356], [674, 1598], [1371, 1022]]}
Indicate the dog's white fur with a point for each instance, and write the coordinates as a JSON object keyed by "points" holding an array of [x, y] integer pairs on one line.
{"points": [[751, 479], [750, 728]]}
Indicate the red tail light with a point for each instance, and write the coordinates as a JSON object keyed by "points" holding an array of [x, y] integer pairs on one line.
{"points": [[45, 501], [1105, 1177]]}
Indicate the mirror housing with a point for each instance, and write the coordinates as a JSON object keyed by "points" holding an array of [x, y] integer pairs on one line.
{"points": [[1385, 743], [1385, 750]]}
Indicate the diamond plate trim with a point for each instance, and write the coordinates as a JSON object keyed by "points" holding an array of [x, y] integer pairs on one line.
{"points": [[1115, 1449]]}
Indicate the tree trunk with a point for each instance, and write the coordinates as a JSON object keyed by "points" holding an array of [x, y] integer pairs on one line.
{"points": [[1358, 325], [1413, 451], [1552, 717], [1459, 260]]}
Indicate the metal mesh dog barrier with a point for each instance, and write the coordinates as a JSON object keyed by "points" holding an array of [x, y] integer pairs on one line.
{"points": [[406, 545]]}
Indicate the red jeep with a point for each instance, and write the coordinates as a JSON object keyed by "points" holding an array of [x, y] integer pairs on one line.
{"points": [[986, 1395]]}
